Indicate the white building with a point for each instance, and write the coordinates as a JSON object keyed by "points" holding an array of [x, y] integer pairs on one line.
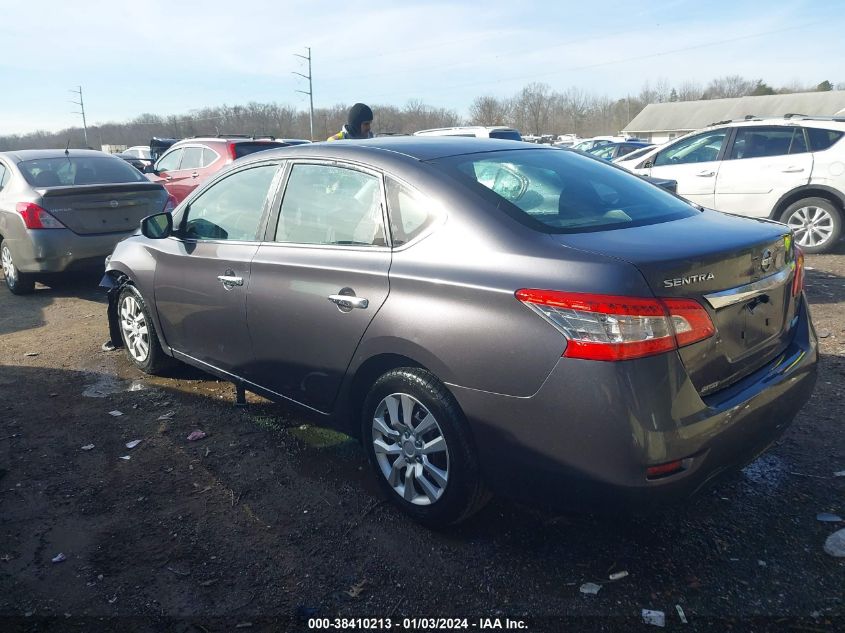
{"points": [[660, 122]]}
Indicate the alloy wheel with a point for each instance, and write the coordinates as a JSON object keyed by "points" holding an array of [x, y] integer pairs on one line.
{"points": [[813, 226], [135, 329], [9, 270], [410, 449]]}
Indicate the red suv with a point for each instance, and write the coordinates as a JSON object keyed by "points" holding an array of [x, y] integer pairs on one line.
{"points": [[189, 162]]}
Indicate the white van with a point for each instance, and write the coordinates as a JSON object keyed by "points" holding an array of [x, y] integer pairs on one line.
{"points": [[478, 131]]}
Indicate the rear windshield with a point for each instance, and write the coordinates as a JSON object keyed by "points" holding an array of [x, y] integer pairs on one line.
{"points": [[508, 135], [244, 149], [78, 170], [560, 191]]}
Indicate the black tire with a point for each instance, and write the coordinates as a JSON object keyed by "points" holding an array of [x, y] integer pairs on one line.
{"points": [[464, 493], [17, 282], [794, 214], [155, 361]]}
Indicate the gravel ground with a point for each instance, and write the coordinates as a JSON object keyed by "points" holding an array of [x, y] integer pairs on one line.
{"points": [[269, 520]]}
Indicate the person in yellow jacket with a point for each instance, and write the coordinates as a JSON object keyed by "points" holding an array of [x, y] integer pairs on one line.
{"points": [[358, 124]]}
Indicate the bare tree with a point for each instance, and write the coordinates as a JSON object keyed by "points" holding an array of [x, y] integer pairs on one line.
{"points": [[489, 110]]}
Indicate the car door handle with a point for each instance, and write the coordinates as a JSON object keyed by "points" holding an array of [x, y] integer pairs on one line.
{"points": [[349, 302], [194, 174], [706, 174], [792, 170], [231, 280]]}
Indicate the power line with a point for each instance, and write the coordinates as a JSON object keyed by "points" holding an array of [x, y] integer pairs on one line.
{"points": [[620, 61]]}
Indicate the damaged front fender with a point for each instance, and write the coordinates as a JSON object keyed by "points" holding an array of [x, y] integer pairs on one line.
{"points": [[113, 282]]}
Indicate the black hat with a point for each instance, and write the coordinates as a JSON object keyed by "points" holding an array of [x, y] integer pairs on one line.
{"points": [[358, 114]]}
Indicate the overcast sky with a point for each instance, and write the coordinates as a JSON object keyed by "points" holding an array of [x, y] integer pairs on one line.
{"points": [[169, 57]]}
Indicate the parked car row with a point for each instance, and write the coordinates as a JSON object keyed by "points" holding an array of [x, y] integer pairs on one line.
{"points": [[464, 306], [790, 169]]}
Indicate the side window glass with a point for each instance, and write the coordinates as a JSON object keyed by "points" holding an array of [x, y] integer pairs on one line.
{"points": [[170, 162], [799, 144], [759, 142], [191, 158], [821, 139], [331, 205], [701, 148], [4, 176], [208, 157], [232, 208], [410, 212]]}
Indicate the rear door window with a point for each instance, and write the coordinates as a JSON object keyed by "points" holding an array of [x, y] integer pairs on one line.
{"points": [[759, 142], [191, 158], [231, 208], [563, 192], [170, 161], [701, 148], [821, 139], [411, 213], [330, 205]]}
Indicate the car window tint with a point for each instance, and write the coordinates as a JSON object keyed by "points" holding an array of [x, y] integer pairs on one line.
{"points": [[410, 212], [208, 156], [191, 158], [759, 142], [821, 139], [562, 192], [78, 170], [245, 148], [170, 162], [331, 205], [232, 208], [700, 148]]}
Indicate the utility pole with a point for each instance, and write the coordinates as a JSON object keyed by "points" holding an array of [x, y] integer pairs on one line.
{"points": [[81, 105], [310, 92]]}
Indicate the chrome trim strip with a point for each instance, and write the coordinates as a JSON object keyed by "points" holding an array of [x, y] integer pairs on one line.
{"points": [[741, 293]]}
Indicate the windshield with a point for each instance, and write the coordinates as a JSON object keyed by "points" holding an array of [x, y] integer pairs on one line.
{"points": [[560, 191], [78, 170], [509, 135]]}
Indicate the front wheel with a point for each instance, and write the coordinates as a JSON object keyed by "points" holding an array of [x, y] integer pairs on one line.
{"points": [[816, 222], [17, 282], [138, 333], [418, 443]]}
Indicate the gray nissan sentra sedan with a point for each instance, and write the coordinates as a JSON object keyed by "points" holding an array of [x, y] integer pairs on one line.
{"points": [[484, 315], [64, 210]]}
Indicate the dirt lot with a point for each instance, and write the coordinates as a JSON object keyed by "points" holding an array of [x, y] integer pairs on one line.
{"points": [[268, 520]]}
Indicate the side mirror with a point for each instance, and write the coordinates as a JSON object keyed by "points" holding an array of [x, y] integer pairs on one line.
{"points": [[158, 226], [150, 169]]}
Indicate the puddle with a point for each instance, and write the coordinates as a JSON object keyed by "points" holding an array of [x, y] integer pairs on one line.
{"points": [[104, 385], [766, 473]]}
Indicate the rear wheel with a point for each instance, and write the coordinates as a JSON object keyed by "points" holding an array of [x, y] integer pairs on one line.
{"points": [[816, 222], [138, 333], [17, 282], [417, 441]]}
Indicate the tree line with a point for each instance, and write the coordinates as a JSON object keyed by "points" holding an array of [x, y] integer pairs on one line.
{"points": [[536, 109]]}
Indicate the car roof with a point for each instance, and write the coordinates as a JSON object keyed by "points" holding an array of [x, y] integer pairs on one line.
{"points": [[822, 122], [33, 154], [421, 148]]}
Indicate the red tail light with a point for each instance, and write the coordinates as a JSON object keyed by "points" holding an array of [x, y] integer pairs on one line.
{"points": [[798, 279], [607, 327], [34, 217], [170, 204], [662, 470], [232, 154]]}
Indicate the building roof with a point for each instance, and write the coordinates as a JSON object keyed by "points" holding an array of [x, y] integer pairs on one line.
{"points": [[692, 115]]}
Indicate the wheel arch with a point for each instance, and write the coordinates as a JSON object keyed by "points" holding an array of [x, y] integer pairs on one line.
{"points": [[836, 198]]}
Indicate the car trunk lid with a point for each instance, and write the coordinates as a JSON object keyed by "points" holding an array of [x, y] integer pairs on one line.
{"points": [[739, 269], [97, 209]]}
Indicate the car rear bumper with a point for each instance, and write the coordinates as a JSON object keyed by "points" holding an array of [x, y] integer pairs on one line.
{"points": [[61, 250], [593, 428]]}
